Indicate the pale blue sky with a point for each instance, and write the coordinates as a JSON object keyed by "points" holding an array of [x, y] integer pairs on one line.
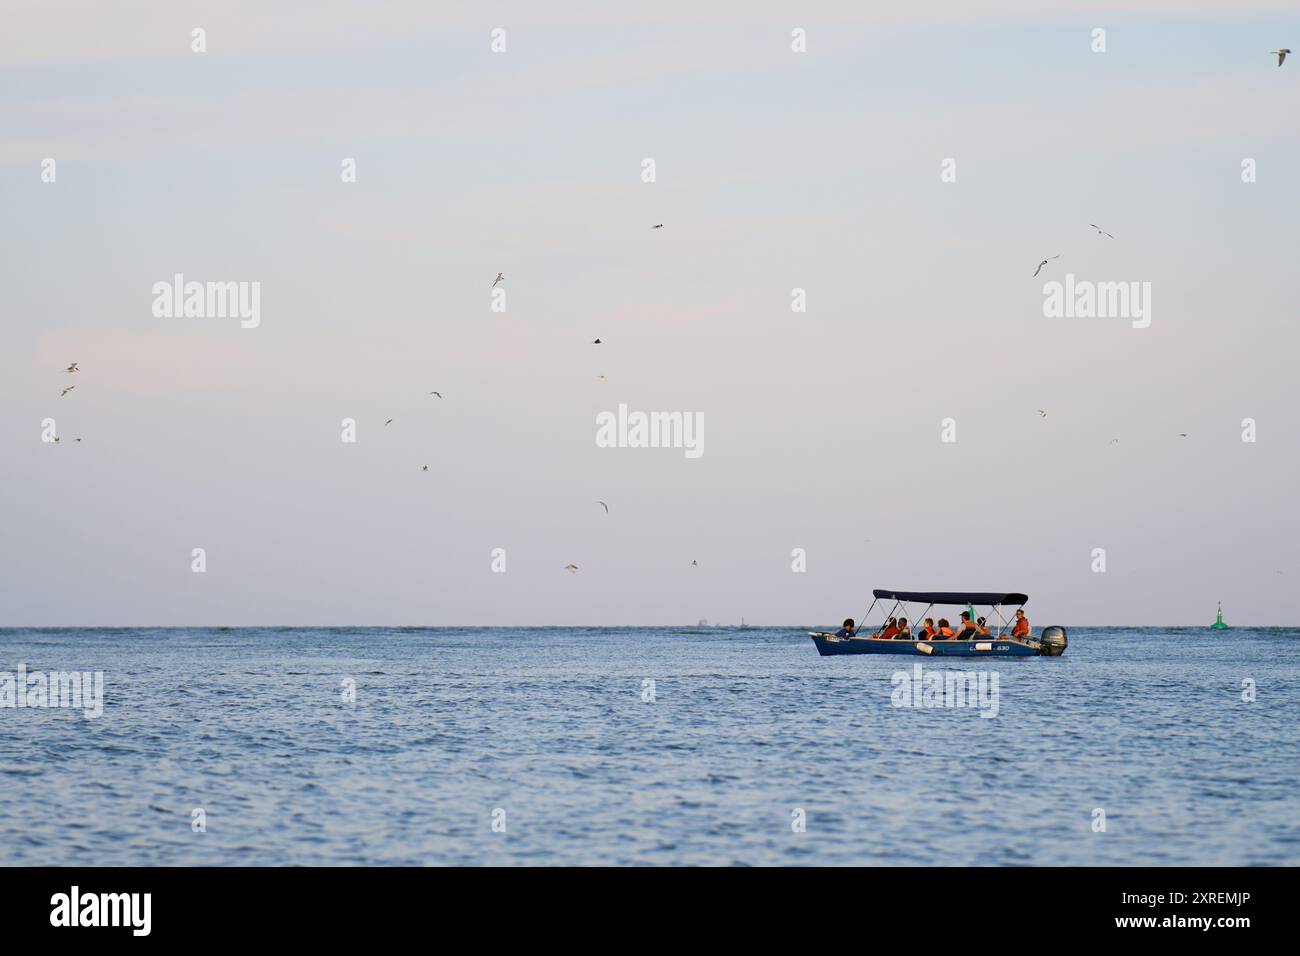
{"points": [[775, 170]]}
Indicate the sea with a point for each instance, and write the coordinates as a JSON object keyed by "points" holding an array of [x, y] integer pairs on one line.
{"points": [[708, 746]]}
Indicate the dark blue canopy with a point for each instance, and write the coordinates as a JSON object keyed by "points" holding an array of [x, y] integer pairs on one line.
{"points": [[953, 597]]}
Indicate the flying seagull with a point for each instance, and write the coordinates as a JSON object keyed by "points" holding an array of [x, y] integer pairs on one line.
{"points": [[501, 277], [597, 342], [571, 568], [1280, 54], [439, 394], [601, 378], [387, 423], [72, 368], [695, 564], [659, 226], [66, 390], [1182, 434], [1114, 441], [1045, 262], [1100, 230], [1042, 413], [424, 467], [603, 505]]}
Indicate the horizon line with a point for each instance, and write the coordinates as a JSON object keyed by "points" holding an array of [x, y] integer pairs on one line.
{"points": [[539, 627]]}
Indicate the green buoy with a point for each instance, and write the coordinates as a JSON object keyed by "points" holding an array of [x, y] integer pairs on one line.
{"points": [[1218, 624]]}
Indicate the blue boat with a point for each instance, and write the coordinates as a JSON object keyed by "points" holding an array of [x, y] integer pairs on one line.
{"points": [[1050, 643]]}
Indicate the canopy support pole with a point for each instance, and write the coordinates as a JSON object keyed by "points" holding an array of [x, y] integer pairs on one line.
{"points": [[868, 614]]}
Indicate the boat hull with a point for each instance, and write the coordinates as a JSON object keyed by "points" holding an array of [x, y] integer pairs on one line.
{"points": [[828, 645]]}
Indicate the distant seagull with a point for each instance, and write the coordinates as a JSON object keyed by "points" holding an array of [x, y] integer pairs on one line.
{"points": [[603, 505], [661, 225], [1280, 54], [72, 368], [695, 564], [1182, 434], [571, 568], [66, 390], [424, 467], [57, 439], [76, 439], [601, 378], [597, 342], [501, 277], [1100, 230], [439, 394], [1045, 262], [1114, 441], [1042, 413], [387, 423]]}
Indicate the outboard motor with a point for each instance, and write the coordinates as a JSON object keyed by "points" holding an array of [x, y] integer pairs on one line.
{"points": [[1052, 642]]}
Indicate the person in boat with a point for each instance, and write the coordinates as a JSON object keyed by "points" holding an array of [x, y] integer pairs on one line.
{"points": [[982, 628], [928, 631], [945, 632], [1021, 628], [968, 628], [890, 631], [847, 630], [904, 632]]}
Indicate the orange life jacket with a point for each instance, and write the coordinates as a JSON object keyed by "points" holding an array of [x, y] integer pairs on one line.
{"points": [[889, 633], [1021, 629], [945, 632]]}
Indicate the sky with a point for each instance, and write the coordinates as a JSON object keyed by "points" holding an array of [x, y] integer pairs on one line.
{"points": [[775, 170]]}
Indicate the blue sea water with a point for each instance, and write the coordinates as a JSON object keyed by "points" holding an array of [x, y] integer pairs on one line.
{"points": [[548, 731]]}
